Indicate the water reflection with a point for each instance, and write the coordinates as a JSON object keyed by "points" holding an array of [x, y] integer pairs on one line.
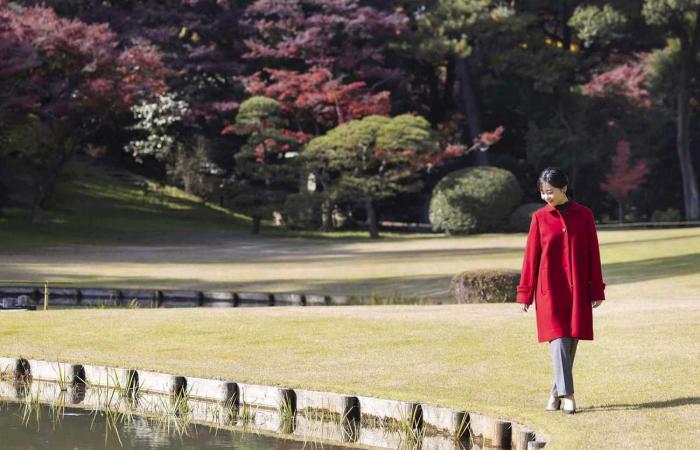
{"points": [[81, 429], [44, 415]]}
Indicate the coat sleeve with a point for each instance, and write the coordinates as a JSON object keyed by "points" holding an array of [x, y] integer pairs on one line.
{"points": [[596, 287], [531, 263]]}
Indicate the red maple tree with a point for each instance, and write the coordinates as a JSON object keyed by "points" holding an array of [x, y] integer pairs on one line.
{"points": [[627, 80], [314, 100], [61, 80], [624, 177], [342, 35]]}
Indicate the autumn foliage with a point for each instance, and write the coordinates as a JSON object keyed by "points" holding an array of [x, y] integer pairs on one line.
{"points": [[315, 99], [624, 177], [627, 80]]}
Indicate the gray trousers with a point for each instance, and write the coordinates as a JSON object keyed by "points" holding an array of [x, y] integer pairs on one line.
{"points": [[563, 351]]}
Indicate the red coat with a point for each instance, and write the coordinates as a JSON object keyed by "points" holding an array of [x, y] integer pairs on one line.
{"points": [[561, 267]]}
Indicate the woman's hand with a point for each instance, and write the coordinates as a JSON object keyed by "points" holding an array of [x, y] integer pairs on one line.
{"points": [[524, 307], [597, 303]]}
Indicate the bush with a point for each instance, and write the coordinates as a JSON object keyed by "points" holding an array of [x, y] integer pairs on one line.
{"points": [[302, 211], [474, 199], [669, 215], [485, 286], [519, 220]]}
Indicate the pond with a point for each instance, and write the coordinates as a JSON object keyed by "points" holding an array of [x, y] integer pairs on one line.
{"points": [[58, 416], [43, 415], [78, 429]]}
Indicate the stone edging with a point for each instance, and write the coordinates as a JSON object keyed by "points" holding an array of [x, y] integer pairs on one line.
{"points": [[492, 431], [158, 298]]}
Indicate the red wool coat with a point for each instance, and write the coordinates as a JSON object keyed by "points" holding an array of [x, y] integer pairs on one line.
{"points": [[561, 268]]}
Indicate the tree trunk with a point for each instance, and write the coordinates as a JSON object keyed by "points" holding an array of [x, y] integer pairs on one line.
{"points": [[448, 93], [691, 198], [43, 188], [372, 219], [38, 200], [187, 184], [255, 228], [436, 108], [327, 215], [619, 211], [37, 216], [470, 105]]}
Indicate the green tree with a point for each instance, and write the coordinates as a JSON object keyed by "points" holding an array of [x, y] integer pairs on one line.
{"points": [[680, 20], [440, 48], [265, 168], [371, 159]]}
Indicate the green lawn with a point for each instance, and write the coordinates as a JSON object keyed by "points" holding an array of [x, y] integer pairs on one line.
{"points": [[636, 383]]}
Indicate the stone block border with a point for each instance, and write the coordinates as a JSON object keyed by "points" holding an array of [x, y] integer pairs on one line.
{"points": [[162, 298], [452, 423]]}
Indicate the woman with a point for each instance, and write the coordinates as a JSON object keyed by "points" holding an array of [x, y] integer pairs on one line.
{"points": [[561, 267]]}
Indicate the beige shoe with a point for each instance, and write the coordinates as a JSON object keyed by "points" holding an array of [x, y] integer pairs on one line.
{"points": [[553, 404], [568, 404]]}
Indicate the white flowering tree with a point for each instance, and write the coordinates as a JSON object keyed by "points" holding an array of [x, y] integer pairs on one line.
{"points": [[157, 120], [185, 159]]}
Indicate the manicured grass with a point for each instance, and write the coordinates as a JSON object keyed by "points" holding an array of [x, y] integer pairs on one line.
{"points": [[401, 268], [635, 384]]}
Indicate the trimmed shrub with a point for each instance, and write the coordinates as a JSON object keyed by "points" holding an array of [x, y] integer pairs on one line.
{"points": [[521, 217], [669, 215], [302, 211], [474, 199], [485, 286]]}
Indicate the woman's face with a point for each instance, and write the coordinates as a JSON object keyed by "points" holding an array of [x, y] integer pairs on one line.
{"points": [[552, 195]]}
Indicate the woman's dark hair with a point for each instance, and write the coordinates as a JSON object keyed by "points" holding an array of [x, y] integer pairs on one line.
{"points": [[557, 178]]}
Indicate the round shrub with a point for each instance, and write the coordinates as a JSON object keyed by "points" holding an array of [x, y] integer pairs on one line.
{"points": [[485, 286], [669, 215], [520, 218], [302, 211], [474, 199]]}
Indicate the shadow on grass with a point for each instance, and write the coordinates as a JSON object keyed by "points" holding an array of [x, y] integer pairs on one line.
{"points": [[651, 269], [417, 287], [409, 286], [676, 402]]}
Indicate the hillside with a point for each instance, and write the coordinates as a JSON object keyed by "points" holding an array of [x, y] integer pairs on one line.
{"points": [[97, 203]]}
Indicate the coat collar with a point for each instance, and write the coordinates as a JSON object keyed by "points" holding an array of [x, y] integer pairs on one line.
{"points": [[574, 206]]}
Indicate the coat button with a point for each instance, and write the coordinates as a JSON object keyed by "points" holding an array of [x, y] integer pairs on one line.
{"points": [[563, 229]]}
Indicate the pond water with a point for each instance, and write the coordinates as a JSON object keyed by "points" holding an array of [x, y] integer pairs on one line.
{"points": [[41, 415], [43, 427]]}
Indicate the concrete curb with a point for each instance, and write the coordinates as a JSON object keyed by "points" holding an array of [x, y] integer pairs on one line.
{"points": [[99, 297], [147, 298], [17, 291], [59, 372], [288, 299], [140, 297], [348, 407], [316, 300], [217, 390], [253, 299], [453, 424], [218, 299], [180, 299], [265, 396], [110, 377], [391, 409], [161, 383], [445, 419], [14, 367]]}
